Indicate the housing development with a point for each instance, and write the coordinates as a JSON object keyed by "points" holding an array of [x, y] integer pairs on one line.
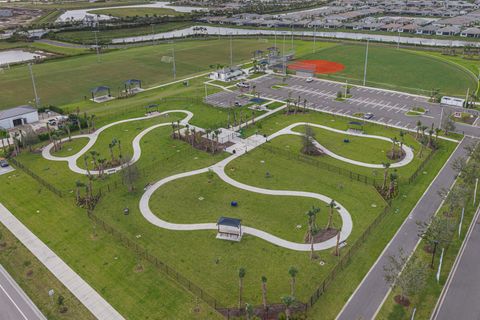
{"points": [[239, 160]]}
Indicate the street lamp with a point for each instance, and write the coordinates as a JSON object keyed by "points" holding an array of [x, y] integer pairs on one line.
{"points": [[435, 243]]}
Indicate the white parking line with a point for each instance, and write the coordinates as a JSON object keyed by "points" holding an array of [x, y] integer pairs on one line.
{"points": [[398, 123]]}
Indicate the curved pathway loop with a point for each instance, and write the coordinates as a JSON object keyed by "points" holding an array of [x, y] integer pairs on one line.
{"points": [[137, 151], [406, 160], [219, 169]]}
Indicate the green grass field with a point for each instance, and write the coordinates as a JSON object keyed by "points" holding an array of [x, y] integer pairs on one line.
{"points": [[70, 80], [402, 70], [136, 12], [105, 36]]}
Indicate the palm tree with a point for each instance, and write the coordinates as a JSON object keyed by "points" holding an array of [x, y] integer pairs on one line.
{"points": [[337, 245], [241, 275], [394, 144], [85, 161], [94, 155], [249, 310], [288, 301], [419, 125], [393, 179], [292, 271], [332, 205], [264, 292], [437, 132], [386, 165], [119, 149], [173, 130], [78, 184]]}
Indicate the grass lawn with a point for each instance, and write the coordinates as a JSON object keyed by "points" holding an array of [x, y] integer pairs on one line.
{"points": [[106, 265], [105, 36], [335, 141], [424, 300], [211, 199], [35, 279], [70, 148], [402, 70], [362, 149], [136, 12], [68, 80]]}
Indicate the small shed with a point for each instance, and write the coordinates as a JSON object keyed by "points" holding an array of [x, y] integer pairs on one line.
{"points": [[229, 229]]}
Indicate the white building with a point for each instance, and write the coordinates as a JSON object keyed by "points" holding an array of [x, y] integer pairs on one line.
{"points": [[227, 74], [17, 116]]}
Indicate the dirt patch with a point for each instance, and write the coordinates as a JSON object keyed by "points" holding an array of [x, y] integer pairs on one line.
{"points": [[322, 235], [403, 301], [317, 66], [138, 268]]}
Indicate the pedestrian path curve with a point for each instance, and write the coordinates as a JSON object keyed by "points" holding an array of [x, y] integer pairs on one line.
{"points": [[219, 169]]}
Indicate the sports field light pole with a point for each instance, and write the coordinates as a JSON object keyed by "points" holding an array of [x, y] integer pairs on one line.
{"points": [[231, 51], [275, 37], [284, 57], [174, 66], [461, 222], [314, 38], [96, 45], [366, 64], [37, 99]]}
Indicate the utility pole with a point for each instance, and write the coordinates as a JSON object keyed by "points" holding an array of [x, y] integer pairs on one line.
{"points": [[366, 64], [466, 98], [96, 45], [291, 32], [275, 37], [475, 194], [174, 66], [284, 57], [314, 38], [231, 50], [398, 40], [37, 99]]}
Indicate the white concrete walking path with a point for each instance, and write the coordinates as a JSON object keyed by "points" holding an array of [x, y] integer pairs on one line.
{"points": [[94, 302], [137, 151], [241, 148], [406, 160]]}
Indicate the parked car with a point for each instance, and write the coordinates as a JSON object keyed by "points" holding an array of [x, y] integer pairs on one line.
{"points": [[368, 116], [309, 79], [3, 163], [243, 85]]}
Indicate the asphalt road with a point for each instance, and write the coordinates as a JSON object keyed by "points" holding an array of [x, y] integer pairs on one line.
{"points": [[14, 303], [461, 293], [388, 107], [369, 295]]}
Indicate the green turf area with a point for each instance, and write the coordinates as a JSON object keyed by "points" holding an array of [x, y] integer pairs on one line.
{"points": [[35, 279], [67, 80], [397, 69], [362, 149], [70, 147], [211, 197], [280, 120], [106, 265], [136, 12], [106, 35], [330, 303]]}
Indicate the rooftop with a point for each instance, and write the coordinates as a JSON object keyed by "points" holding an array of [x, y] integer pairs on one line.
{"points": [[17, 111]]}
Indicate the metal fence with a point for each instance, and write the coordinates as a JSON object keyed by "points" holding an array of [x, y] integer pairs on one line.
{"points": [[162, 266], [323, 165], [44, 183]]}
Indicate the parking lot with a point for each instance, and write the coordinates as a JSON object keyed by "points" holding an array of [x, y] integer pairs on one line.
{"points": [[227, 99], [388, 107]]}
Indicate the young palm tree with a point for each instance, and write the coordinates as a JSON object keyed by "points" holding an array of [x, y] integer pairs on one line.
{"points": [[249, 311], [332, 205], [393, 179], [386, 165], [292, 271], [288, 301], [241, 275], [85, 161], [419, 125], [264, 292], [78, 184], [94, 155], [337, 245]]}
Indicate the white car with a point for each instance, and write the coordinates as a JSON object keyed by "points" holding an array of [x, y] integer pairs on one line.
{"points": [[309, 79], [243, 85]]}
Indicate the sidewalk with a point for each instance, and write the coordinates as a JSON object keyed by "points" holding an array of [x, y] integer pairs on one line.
{"points": [[369, 296], [100, 308]]}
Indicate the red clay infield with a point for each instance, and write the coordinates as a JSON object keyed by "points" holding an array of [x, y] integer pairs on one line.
{"points": [[318, 66]]}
